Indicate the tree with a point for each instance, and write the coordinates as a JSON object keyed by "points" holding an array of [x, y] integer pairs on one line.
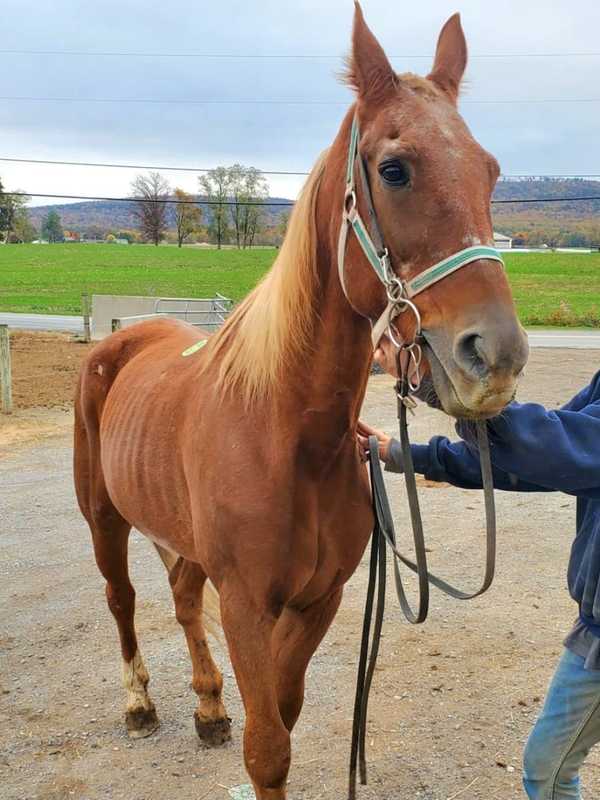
{"points": [[129, 235], [52, 229], [14, 219], [94, 232], [24, 230], [4, 213], [248, 188], [215, 186], [187, 216], [284, 220], [150, 193]]}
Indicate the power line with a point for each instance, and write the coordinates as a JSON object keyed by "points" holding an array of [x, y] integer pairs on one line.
{"points": [[156, 168], [135, 166], [199, 201], [269, 102], [174, 101], [286, 203], [269, 56], [547, 199]]}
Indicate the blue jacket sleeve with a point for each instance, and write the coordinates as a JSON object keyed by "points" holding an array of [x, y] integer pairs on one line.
{"points": [[532, 449], [586, 396], [457, 463]]}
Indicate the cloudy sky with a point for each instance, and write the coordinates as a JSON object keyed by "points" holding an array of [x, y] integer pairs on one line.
{"points": [[311, 37]]}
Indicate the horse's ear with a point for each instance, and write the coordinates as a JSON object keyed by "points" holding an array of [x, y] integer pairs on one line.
{"points": [[450, 58], [369, 72]]}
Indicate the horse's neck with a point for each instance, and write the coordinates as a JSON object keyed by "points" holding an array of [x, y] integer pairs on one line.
{"points": [[340, 357]]}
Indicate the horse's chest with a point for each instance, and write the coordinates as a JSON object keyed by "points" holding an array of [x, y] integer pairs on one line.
{"points": [[345, 518]]}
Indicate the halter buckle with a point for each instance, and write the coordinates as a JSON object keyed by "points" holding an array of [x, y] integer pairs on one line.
{"points": [[350, 201]]}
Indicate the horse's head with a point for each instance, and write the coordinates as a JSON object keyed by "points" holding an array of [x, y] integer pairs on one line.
{"points": [[431, 185]]}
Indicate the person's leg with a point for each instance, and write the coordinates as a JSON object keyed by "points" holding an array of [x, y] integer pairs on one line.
{"points": [[567, 728]]}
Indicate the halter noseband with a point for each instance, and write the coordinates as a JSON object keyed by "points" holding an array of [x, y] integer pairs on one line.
{"points": [[399, 292]]}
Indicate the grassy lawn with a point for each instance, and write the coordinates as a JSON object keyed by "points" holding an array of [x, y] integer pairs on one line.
{"points": [[561, 289], [550, 288], [50, 279]]}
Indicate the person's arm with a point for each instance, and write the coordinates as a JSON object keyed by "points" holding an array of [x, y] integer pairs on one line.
{"points": [[456, 463], [441, 460], [555, 450], [586, 396], [532, 449]]}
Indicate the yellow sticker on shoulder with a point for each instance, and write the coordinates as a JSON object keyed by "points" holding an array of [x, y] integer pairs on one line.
{"points": [[194, 348]]}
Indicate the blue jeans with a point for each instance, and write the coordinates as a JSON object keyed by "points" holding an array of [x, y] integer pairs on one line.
{"points": [[567, 728]]}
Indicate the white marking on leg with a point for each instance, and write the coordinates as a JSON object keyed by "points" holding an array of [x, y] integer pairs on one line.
{"points": [[135, 680]]}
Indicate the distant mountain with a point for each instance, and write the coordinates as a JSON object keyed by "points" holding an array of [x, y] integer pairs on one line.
{"points": [[110, 215], [562, 219], [546, 189]]}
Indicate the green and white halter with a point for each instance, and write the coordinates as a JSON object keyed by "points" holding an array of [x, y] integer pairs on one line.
{"points": [[400, 293]]}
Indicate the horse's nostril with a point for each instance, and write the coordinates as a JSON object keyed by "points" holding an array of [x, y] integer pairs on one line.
{"points": [[470, 354], [499, 350]]}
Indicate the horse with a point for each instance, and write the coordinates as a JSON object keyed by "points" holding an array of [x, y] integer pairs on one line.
{"points": [[236, 455]]}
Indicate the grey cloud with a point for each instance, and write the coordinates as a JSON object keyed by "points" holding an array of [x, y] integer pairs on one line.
{"points": [[536, 138]]}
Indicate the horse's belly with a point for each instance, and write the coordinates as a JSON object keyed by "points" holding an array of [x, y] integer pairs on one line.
{"points": [[142, 465]]}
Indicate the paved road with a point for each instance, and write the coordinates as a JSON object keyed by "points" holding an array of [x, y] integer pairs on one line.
{"points": [[579, 339], [42, 322]]}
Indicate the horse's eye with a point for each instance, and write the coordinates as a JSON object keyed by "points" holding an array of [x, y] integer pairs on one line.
{"points": [[394, 173]]}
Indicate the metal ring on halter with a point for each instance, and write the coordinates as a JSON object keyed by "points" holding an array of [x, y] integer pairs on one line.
{"points": [[394, 289], [391, 333], [415, 352], [407, 384], [403, 304]]}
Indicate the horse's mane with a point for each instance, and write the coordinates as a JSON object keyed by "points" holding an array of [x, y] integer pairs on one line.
{"points": [[273, 324]]}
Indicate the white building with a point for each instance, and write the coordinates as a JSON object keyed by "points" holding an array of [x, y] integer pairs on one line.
{"points": [[502, 242]]}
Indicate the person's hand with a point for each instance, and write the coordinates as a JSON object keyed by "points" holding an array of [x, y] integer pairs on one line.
{"points": [[363, 432]]}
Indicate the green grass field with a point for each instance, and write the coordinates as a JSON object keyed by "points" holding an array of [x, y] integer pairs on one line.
{"points": [[550, 288]]}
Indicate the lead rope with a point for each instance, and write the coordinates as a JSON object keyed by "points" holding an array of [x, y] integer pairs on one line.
{"points": [[384, 533]]}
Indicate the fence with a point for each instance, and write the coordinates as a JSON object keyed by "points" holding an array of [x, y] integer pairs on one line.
{"points": [[206, 313], [5, 370]]}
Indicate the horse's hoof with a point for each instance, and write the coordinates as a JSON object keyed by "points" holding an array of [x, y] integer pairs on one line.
{"points": [[213, 732], [141, 722]]}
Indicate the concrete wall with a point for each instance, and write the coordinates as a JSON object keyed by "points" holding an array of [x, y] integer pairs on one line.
{"points": [[106, 307], [208, 313]]}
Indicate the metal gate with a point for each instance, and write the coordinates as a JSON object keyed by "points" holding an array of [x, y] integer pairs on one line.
{"points": [[206, 313]]}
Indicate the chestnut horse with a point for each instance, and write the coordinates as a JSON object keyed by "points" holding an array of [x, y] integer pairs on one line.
{"points": [[239, 460]]}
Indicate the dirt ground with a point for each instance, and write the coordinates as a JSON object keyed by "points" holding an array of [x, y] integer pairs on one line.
{"points": [[44, 368], [452, 702]]}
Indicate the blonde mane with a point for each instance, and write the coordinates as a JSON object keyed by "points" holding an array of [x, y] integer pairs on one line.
{"points": [[273, 324]]}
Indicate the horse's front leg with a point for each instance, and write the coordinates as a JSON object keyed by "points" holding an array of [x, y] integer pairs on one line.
{"points": [[295, 639], [188, 582], [248, 625]]}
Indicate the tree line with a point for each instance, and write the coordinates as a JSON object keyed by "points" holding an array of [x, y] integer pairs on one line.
{"points": [[222, 213], [229, 193], [228, 218]]}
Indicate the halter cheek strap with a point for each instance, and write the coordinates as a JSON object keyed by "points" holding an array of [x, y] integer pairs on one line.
{"points": [[399, 293]]}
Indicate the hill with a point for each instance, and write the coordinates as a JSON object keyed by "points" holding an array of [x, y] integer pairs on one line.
{"points": [[109, 215], [568, 223]]}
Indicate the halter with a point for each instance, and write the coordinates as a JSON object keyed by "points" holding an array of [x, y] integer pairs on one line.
{"points": [[400, 293]]}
